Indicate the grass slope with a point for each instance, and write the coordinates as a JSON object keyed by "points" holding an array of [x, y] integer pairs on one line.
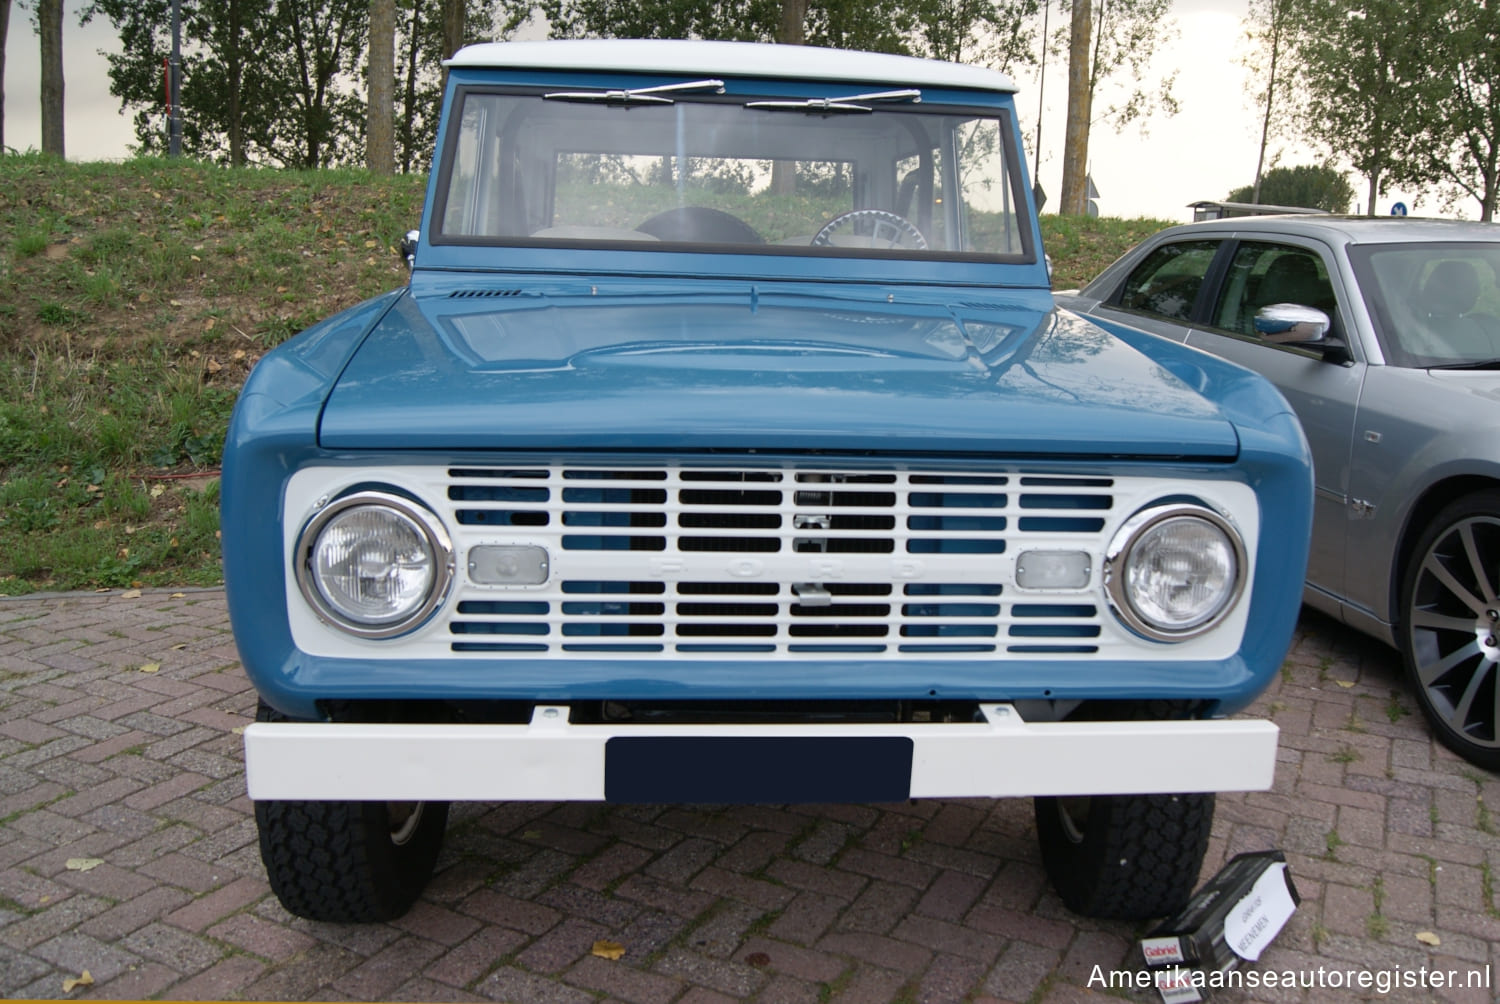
{"points": [[135, 297]]}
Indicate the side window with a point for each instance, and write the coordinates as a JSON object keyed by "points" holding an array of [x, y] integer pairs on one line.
{"points": [[1263, 274], [1167, 282]]}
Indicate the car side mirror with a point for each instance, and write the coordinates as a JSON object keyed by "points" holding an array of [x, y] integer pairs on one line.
{"points": [[408, 248], [1292, 324]]}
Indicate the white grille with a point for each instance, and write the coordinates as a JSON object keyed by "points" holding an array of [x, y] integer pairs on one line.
{"points": [[745, 563]]}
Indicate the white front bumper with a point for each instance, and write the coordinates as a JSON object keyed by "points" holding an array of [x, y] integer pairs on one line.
{"points": [[551, 759]]}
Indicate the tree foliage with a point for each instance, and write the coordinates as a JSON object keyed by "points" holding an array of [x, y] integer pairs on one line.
{"points": [[263, 82], [1315, 187], [1459, 118], [283, 82], [1364, 70], [1275, 101], [995, 33]]}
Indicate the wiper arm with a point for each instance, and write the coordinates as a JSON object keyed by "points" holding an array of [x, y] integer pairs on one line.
{"points": [[638, 95], [824, 106], [1478, 364]]}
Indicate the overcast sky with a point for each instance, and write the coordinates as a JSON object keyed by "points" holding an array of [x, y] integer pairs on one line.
{"points": [[1203, 152]]}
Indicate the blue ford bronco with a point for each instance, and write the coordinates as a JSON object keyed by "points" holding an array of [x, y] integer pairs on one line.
{"points": [[726, 446]]}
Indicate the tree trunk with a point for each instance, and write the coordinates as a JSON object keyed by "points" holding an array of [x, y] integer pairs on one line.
{"points": [[1265, 123], [1080, 107], [1374, 190], [235, 59], [4, 29], [49, 26], [409, 99], [791, 31], [380, 133], [454, 13]]}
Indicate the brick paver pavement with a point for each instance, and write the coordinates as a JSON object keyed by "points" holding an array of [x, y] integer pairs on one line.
{"points": [[119, 719]]}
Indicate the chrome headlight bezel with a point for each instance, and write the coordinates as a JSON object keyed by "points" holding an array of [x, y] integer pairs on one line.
{"points": [[1121, 549], [434, 535]]}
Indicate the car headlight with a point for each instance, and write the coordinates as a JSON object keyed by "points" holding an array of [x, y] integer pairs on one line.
{"points": [[374, 564], [1175, 571]]}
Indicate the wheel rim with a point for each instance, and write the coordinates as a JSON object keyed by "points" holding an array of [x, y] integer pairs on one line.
{"points": [[404, 817], [1454, 629]]}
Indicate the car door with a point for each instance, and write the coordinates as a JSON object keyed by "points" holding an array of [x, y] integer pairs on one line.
{"points": [[1323, 393]]}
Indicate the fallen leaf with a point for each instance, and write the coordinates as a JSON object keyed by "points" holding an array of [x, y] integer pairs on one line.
{"points": [[178, 596], [608, 949], [158, 490], [83, 979], [213, 365], [150, 667], [238, 730], [1346, 684], [182, 644], [532, 835], [131, 594], [175, 303], [82, 864], [209, 324], [1428, 938]]}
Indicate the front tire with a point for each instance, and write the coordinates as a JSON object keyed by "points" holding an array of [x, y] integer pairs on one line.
{"points": [[1124, 857], [348, 862], [1450, 627]]}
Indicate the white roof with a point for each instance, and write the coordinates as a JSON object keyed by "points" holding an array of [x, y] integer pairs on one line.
{"points": [[730, 59]]}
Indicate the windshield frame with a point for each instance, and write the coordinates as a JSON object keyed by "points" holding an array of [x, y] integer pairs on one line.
{"points": [[995, 109]]}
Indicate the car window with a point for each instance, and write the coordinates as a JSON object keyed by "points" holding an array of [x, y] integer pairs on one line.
{"points": [[1433, 304], [1167, 282], [903, 179], [1262, 274]]}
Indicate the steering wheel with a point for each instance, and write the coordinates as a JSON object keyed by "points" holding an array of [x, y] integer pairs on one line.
{"points": [[884, 230]]}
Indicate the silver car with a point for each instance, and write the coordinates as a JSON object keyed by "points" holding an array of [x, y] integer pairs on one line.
{"points": [[1384, 335]]}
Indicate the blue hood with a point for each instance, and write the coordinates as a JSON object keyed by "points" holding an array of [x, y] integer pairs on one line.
{"points": [[500, 369]]}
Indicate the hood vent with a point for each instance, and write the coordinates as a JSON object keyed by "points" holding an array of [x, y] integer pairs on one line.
{"points": [[485, 294]]}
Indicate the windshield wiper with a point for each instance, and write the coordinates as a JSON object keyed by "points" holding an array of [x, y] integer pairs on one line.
{"points": [[823, 106], [1478, 364], [638, 95]]}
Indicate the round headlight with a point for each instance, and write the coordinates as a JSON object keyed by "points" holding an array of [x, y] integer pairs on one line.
{"points": [[1175, 571], [374, 564]]}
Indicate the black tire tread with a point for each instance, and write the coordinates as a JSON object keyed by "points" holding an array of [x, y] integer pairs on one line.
{"points": [[1140, 857], [335, 861]]}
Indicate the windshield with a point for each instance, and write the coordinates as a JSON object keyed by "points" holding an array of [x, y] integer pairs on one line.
{"points": [[873, 174], [1433, 304]]}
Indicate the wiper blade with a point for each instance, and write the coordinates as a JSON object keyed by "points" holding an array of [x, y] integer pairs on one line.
{"points": [[1478, 364], [638, 95], [822, 106]]}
